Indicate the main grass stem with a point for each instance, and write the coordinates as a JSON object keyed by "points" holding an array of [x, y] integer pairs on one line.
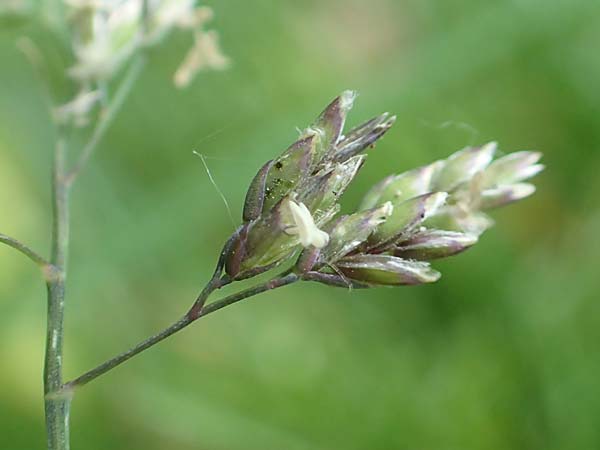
{"points": [[57, 406]]}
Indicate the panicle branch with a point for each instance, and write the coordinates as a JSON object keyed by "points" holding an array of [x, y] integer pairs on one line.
{"points": [[25, 250]]}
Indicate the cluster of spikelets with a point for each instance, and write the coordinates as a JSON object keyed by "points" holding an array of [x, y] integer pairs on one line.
{"points": [[405, 221], [105, 34]]}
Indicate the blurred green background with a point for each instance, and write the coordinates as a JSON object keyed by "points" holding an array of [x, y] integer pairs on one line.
{"points": [[502, 353]]}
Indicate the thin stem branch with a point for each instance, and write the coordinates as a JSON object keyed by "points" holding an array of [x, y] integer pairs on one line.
{"points": [[251, 292], [133, 72], [24, 249], [57, 406], [191, 316]]}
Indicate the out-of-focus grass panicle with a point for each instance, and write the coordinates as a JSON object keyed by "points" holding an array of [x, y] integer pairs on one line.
{"points": [[404, 221], [107, 34]]}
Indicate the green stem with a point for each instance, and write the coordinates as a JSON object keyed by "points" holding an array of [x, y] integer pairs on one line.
{"points": [[57, 401], [27, 251], [57, 405], [191, 316]]}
